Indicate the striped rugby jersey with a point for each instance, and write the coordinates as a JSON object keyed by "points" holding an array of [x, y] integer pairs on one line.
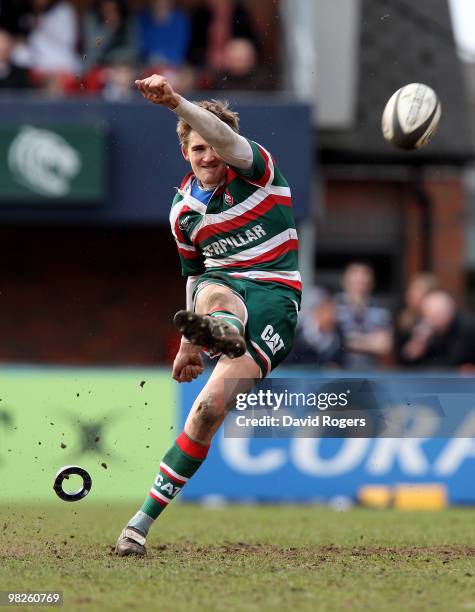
{"points": [[247, 229]]}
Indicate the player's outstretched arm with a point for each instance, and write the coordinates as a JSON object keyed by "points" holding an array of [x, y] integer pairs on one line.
{"points": [[233, 148]]}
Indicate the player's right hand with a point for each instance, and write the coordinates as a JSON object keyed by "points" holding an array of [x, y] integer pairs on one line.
{"points": [[188, 363], [158, 90]]}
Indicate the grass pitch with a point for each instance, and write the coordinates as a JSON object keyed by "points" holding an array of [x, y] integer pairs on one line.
{"points": [[243, 558]]}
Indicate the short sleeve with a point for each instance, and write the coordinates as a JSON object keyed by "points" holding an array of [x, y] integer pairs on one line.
{"points": [[261, 172], [191, 259]]}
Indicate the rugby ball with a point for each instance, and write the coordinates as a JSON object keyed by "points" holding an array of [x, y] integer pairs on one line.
{"points": [[411, 116]]}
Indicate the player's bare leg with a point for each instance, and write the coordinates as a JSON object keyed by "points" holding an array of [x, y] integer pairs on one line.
{"points": [[229, 377], [217, 323]]}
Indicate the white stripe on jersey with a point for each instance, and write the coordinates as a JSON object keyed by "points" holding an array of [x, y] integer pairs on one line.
{"points": [[185, 247], [268, 245], [239, 209], [263, 274], [191, 202]]}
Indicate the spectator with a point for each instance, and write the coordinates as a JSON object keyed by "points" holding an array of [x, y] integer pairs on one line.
{"points": [[240, 69], [164, 32], [110, 34], [213, 24], [408, 319], [119, 80], [181, 79], [54, 39], [443, 337], [319, 340], [51, 45], [367, 328], [11, 76]]}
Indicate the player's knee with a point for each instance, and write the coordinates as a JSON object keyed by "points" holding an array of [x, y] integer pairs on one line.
{"points": [[209, 413], [219, 299]]}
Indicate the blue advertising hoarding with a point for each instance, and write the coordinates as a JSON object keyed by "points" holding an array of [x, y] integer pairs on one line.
{"points": [[309, 469]]}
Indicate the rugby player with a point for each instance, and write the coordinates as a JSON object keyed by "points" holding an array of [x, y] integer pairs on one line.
{"points": [[235, 232]]}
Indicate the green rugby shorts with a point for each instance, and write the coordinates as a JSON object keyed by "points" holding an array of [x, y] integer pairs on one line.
{"points": [[272, 311]]}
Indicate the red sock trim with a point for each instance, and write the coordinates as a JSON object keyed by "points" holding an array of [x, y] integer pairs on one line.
{"points": [[190, 447], [157, 499], [210, 312]]}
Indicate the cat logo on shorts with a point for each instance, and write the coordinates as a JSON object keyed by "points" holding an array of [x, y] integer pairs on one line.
{"points": [[273, 340]]}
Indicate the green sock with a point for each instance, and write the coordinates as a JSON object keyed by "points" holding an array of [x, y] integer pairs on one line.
{"points": [[230, 318], [179, 464]]}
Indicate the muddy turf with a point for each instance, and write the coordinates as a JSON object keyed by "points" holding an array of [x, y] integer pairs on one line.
{"points": [[243, 558]]}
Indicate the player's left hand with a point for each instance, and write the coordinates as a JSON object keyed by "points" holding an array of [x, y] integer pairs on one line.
{"points": [[188, 364]]}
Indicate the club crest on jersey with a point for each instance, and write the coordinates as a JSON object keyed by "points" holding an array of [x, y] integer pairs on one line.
{"points": [[184, 221], [228, 198]]}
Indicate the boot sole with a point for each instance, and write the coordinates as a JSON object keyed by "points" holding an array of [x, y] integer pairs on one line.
{"points": [[203, 330]]}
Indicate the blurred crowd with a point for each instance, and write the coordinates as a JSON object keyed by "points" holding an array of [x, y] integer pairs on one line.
{"points": [[349, 329], [101, 46]]}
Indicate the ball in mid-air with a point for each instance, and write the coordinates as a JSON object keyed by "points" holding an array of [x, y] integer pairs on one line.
{"points": [[411, 116]]}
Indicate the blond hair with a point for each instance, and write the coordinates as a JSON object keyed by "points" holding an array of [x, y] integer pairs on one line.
{"points": [[220, 108]]}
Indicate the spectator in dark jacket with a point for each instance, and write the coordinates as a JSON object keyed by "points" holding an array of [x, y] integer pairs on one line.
{"points": [[213, 24], [319, 340], [366, 326], [444, 337], [110, 34], [240, 71]]}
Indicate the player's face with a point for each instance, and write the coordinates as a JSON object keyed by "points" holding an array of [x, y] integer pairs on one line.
{"points": [[206, 164]]}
